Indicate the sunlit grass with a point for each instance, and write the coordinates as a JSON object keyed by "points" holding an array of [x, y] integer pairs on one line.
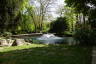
{"points": [[45, 54], [6, 49]]}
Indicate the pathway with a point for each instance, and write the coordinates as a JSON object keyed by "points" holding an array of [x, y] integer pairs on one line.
{"points": [[94, 55]]}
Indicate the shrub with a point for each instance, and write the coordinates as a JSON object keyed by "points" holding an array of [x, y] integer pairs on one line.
{"points": [[7, 34], [59, 26], [85, 36]]}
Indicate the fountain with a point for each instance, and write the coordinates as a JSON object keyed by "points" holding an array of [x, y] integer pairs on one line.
{"points": [[50, 39]]}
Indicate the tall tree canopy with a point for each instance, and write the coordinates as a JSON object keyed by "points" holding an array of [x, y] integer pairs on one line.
{"points": [[10, 13], [81, 5], [42, 9], [86, 7]]}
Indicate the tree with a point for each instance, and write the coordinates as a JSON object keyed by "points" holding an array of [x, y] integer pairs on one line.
{"points": [[79, 5], [85, 33], [71, 17], [69, 13], [34, 16], [60, 10], [86, 7], [10, 14], [42, 10], [59, 26]]}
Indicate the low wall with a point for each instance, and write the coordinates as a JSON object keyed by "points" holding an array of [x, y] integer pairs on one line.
{"points": [[29, 35]]}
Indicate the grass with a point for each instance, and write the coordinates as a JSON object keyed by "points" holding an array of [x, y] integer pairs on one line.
{"points": [[45, 54]]}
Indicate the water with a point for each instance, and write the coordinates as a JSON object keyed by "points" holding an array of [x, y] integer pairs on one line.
{"points": [[52, 39]]}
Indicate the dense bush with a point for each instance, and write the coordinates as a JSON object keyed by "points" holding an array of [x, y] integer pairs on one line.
{"points": [[86, 36], [5, 34], [59, 26]]}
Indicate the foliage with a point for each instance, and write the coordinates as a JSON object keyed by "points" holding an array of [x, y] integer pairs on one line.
{"points": [[87, 7], [10, 14], [79, 5], [40, 13], [70, 14], [85, 35], [46, 27], [59, 26], [68, 33], [26, 24], [7, 34], [34, 17], [71, 17], [86, 32]]}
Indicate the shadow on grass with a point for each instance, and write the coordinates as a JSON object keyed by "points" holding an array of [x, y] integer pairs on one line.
{"points": [[51, 54]]}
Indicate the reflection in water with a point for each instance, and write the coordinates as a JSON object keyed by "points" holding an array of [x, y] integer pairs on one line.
{"points": [[70, 41]]}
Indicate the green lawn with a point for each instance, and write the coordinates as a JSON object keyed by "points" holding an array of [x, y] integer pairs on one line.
{"points": [[45, 54]]}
